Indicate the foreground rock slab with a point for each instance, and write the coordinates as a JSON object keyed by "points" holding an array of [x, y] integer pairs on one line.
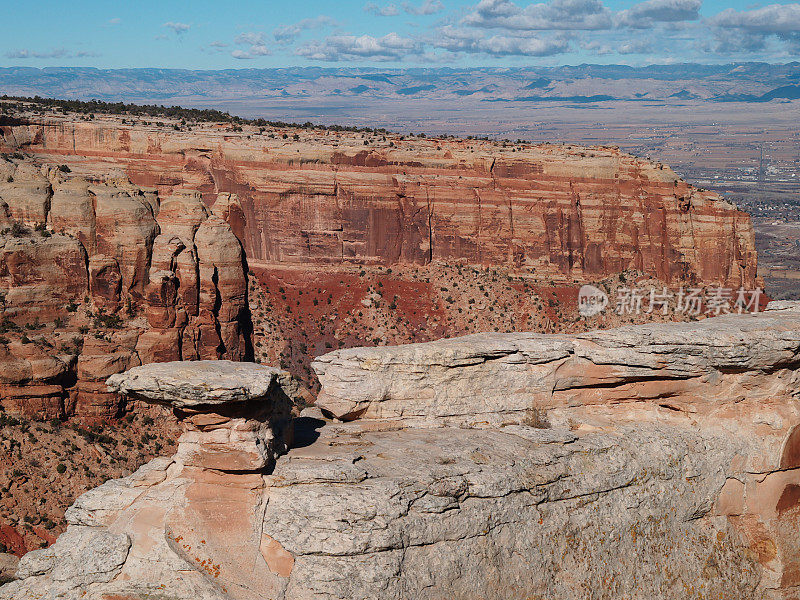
{"points": [[655, 463]]}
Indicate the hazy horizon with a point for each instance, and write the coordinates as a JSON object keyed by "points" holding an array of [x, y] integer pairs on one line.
{"points": [[398, 33]]}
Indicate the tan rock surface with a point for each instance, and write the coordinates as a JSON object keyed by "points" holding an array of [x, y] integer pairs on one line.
{"points": [[236, 415], [686, 492], [728, 357]]}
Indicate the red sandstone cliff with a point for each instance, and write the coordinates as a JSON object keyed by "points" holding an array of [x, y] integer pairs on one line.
{"points": [[357, 239], [97, 276], [554, 212], [351, 240]]}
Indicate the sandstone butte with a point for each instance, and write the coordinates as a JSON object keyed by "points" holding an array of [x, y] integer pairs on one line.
{"points": [[649, 461], [150, 244]]}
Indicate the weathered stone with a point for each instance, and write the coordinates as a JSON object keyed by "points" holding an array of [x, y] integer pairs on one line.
{"points": [[236, 416], [8, 566], [499, 376], [28, 194], [690, 491], [40, 275], [198, 383], [565, 212], [126, 229], [72, 211], [105, 282], [108, 251]]}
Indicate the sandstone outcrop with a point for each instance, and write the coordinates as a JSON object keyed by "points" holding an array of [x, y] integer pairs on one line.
{"points": [[697, 368], [236, 416], [607, 487], [98, 276], [338, 199], [461, 235]]}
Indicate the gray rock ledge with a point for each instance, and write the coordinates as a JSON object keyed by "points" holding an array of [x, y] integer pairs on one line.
{"points": [[184, 384]]}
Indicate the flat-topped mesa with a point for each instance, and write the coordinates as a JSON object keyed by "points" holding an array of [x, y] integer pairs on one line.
{"points": [[235, 416]]}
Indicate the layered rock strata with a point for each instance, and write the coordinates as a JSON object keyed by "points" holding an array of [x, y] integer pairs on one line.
{"points": [[235, 416], [606, 488], [100, 276], [334, 198], [356, 239]]}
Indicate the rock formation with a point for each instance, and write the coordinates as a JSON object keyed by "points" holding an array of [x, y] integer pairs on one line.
{"points": [[100, 276], [651, 461], [328, 198], [441, 237], [236, 416]]}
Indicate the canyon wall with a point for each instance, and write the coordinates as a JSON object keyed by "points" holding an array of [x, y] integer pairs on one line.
{"points": [[331, 198], [98, 275], [356, 239], [649, 461]]}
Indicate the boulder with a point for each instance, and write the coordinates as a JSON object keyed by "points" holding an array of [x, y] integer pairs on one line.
{"points": [[235, 416]]}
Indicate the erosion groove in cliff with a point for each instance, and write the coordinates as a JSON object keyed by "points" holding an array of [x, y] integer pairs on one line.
{"points": [[358, 239], [558, 211]]}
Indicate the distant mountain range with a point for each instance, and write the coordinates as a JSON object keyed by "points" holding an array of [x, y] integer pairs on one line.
{"points": [[746, 82]]}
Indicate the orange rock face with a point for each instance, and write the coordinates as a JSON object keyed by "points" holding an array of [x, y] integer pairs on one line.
{"points": [[356, 238], [331, 198], [94, 280]]}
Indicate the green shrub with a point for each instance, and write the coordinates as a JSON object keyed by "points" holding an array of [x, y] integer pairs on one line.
{"points": [[18, 229], [111, 321]]}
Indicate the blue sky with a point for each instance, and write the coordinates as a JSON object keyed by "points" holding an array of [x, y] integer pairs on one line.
{"points": [[397, 33]]}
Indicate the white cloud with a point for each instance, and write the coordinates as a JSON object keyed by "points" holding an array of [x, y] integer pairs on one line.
{"points": [[557, 14], [179, 28], [428, 7], [249, 38], [749, 30], [390, 10], [457, 39], [255, 41], [366, 47], [25, 53], [635, 47], [288, 33], [775, 18], [597, 48], [114, 21], [646, 14]]}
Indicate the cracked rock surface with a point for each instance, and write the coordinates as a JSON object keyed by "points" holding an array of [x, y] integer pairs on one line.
{"points": [[679, 484]]}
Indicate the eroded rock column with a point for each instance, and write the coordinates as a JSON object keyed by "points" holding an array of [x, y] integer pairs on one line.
{"points": [[236, 417]]}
